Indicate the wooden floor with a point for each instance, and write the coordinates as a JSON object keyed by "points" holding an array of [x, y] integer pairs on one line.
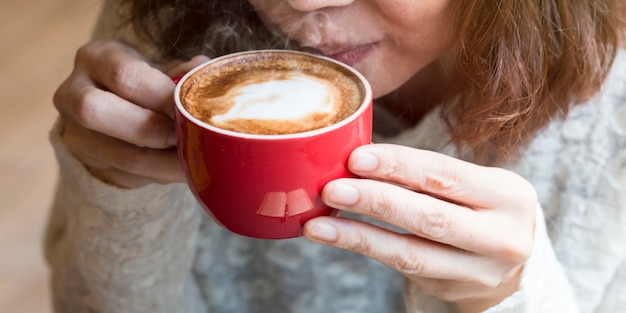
{"points": [[38, 39]]}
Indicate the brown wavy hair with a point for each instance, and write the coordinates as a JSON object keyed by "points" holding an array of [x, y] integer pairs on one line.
{"points": [[517, 64], [521, 63]]}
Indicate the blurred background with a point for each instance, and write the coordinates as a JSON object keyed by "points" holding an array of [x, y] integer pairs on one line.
{"points": [[38, 39]]}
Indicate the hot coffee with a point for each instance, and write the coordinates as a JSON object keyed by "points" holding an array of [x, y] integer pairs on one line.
{"points": [[272, 93], [268, 186]]}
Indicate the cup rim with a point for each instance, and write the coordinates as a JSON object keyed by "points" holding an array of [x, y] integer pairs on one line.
{"points": [[365, 104]]}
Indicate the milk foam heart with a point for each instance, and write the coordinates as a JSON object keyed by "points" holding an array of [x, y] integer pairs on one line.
{"points": [[293, 97]]}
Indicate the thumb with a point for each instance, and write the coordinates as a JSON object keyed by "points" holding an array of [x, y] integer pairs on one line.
{"points": [[182, 68]]}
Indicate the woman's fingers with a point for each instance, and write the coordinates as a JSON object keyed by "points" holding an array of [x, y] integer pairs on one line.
{"points": [[127, 99], [118, 112], [180, 68], [128, 75], [104, 112], [408, 254], [115, 161], [100, 97], [474, 208], [432, 218], [442, 176], [468, 227]]}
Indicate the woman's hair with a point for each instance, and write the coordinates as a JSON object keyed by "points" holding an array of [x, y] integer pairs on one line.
{"points": [[516, 65], [519, 64], [182, 29]]}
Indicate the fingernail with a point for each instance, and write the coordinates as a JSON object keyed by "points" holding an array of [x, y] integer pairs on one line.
{"points": [[324, 232], [343, 194], [363, 161]]}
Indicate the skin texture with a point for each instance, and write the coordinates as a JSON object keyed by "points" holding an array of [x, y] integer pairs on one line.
{"points": [[118, 114], [402, 37], [469, 229]]}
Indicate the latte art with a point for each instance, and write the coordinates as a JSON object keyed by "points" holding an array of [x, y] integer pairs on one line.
{"points": [[272, 94], [294, 97]]}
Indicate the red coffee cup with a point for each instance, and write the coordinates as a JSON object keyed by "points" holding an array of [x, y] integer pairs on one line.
{"points": [[267, 186]]}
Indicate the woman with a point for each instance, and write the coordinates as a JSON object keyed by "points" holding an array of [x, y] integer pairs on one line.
{"points": [[500, 188]]}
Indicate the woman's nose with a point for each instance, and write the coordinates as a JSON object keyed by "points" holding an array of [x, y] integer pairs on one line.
{"points": [[312, 5]]}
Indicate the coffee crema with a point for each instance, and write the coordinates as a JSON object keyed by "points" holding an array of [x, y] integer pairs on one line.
{"points": [[272, 93]]}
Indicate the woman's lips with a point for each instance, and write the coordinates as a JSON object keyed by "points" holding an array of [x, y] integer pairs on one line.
{"points": [[354, 55], [350, 56]]}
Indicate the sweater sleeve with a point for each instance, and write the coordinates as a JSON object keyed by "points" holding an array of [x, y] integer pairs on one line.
{"points": [[614, 299], [116, 250], [544, 286]]}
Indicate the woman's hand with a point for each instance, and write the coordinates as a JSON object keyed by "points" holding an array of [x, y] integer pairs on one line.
{"points": [[470, 228], [118, 111]]}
